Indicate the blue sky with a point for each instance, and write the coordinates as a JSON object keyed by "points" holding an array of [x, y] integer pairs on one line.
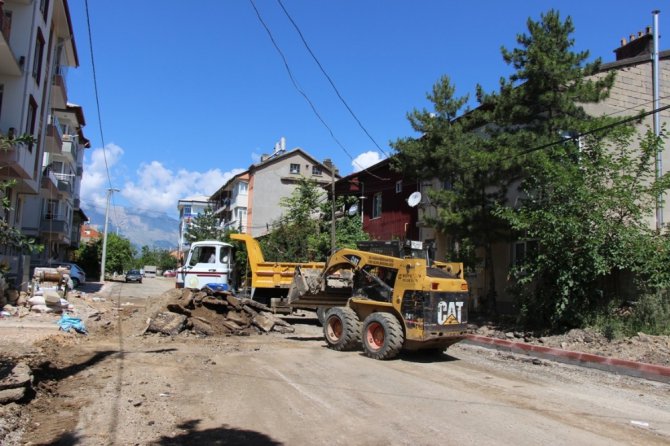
{"points": [[193, 92]]}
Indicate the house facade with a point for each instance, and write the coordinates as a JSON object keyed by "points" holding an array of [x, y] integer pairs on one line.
{"points": [[189, 208], [383, 206], [263, 186], [37, 47]]}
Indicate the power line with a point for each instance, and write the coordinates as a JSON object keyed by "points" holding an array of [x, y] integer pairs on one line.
{"points": [[97, 99], [590, 132], [296, 85], [332, 84]]}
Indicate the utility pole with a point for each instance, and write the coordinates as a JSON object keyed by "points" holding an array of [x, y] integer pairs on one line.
{"points": [[657, 119], [332, 221], [104, 237]]}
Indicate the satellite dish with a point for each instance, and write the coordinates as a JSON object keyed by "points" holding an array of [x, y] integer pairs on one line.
{"points": [[414, 199], [353, 210]]}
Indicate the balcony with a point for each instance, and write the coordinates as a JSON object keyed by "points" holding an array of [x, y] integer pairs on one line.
{"points": [[64, 183], [18, 160], [54, 140], [8, 64], [58, 90], [49, 182], [71, 147], [55, 228]]}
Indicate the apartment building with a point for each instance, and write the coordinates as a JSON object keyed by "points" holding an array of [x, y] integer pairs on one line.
{"points": [[37, 47], [250, 201], [189, 208]]}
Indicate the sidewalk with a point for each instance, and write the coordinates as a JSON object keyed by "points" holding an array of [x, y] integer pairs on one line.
{"points": [[612, 365]]}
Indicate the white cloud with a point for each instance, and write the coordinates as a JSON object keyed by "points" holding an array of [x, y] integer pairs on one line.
{"points": [[158, 188], [154, 188], [365, 160], [94, 182]]}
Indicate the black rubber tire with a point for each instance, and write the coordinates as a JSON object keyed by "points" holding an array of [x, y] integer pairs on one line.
{"points": [[321, 315], [382, 336], [140, 280], [342, 329], [75, 282]]}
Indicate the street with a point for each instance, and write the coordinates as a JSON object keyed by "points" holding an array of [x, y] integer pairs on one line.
{"points": [[120, 387]]}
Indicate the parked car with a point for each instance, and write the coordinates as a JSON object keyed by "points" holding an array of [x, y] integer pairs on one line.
{"points": [[77, 274], [170, 273], [134, 276]]}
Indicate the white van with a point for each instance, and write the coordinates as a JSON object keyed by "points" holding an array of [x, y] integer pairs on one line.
{"points": [[208, 262]]}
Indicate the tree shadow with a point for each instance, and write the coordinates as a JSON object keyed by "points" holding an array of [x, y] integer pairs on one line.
{"points": [[46, 371], [224, 435], [65, 439]]}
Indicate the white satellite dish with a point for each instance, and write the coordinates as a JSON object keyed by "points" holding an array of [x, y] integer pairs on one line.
{"points": [[414, 199], [353, 210]]}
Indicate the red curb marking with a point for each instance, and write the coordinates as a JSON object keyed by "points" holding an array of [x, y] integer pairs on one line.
{"points": [[641, 369]]}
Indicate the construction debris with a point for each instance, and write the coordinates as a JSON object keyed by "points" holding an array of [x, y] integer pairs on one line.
{"points": [[212, 312], [16, 380]]}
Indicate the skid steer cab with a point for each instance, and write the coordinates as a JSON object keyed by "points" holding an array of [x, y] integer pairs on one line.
{"points": [[208, 262]]}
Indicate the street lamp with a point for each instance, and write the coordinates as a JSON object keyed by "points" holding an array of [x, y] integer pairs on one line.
{"points": [[104, 237]]}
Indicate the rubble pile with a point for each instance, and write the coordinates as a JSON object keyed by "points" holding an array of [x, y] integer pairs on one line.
{"points": [[16, 380], [211, 312]]}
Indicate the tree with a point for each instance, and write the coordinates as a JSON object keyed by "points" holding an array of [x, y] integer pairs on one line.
{"points": [[303, 233], [293, 234], [486, 152], [161, 258], [204, 226], [88, 256], [120, 253]]}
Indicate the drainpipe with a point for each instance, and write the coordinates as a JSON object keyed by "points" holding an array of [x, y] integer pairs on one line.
{"points": [[657, 118]]}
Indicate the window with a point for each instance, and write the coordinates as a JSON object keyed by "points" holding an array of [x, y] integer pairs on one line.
{"points": [[31, 120], [377, 205], [398, 186], [316, 170], [44, 8], [39, 53], [295, 168], [242, 188], [186, 210]]}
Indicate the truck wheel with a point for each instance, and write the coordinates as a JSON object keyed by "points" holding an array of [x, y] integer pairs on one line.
{"points": [[75, 282], [382, 336], [342, 329], [321, 315]]}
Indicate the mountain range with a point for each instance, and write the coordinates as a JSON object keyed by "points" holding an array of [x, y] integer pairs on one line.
{"points": [[152, 229]]}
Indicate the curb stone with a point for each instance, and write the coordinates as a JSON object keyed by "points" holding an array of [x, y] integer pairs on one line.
{"points": [[613, 365]]}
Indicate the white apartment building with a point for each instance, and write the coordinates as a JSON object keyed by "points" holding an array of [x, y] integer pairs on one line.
{"points": [[37, 47], [189, 208]]}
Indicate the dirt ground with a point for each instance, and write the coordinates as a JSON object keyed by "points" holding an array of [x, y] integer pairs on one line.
{"points": [[118, 385]]}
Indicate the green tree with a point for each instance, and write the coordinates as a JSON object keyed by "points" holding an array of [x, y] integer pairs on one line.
{"points": [[485, 153], [120, 253], [88, 256], [161, 258], [204, 226], [304, 231], [293, 234]]}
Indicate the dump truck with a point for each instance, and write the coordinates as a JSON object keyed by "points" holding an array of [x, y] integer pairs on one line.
{"points": [[210, 262], [269, 280], [385, 303]]}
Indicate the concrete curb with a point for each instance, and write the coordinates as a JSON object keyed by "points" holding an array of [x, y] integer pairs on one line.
{"points": [[612, 365]]}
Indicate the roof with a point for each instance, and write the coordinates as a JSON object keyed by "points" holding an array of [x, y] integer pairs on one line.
{"points": [[199, 198]]}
